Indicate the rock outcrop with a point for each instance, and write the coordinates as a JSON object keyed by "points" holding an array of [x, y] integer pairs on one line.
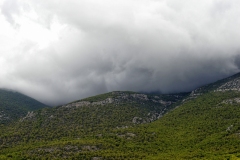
{"points": [[233, 85]]}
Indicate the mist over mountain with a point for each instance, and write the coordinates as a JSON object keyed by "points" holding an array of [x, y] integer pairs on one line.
{"points": [[203, 124], [126, 79], [14, 105], [58, 51]]}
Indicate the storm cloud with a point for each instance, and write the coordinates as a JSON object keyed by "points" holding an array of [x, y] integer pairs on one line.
{"points": [[60, 51]]}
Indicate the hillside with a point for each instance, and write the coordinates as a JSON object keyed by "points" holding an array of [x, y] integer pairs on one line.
{"points": [[231, 83], [98, 114], [14, 105], [128, 125]]}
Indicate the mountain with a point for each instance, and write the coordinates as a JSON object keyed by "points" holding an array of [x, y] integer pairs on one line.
{"points": [[231, 83], [97, 114], [128, 125], [14, 105]]}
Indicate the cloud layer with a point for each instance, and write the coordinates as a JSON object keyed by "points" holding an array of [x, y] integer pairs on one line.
{"points": [[60, 51]]}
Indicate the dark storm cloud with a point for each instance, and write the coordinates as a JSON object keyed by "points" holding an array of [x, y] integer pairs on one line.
{"points": [[164, 46], [236, 60]]}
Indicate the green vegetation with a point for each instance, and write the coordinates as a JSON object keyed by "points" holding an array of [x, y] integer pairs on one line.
{"points": [[202, 128], [126, 110], [105, 96], [14, 105], [123, 125]]}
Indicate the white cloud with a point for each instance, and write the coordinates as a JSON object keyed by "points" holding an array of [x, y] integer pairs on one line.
{"points": [[58, 51]]}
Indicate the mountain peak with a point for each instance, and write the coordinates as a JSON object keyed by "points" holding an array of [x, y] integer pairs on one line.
{"points": [[14, 105]]}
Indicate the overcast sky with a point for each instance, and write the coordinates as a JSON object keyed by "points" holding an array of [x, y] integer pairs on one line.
{"points": [[57, 51]]}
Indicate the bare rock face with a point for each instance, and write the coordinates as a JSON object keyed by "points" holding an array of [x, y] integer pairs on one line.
{"points": [[155, 105], [140, 96], [90, 148], [229, 128], [126, 135], [106, 101], [138, 120], [87, 103], [233, 85], [83, 103], [195, 92], [30, 115], [231, 101], [152, 116], [122, 97], [166, 103], [96, 158], [3, 116], [77, 104]]}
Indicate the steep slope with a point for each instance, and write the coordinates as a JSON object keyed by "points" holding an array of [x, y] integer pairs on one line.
{"points": [[207, 127], [231, 83], [97, 114], [14, 105], [204, 126]]}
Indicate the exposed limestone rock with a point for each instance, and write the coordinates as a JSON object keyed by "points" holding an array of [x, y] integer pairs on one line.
{"points": [[49, 150], [126, 97], [51, 117], [229, 128], [68, 148], [195, 93], [127, 135], [90, 148], [231, 101], [96, 158], [233, 85], [121, 97], [71, 148], [140, 96], [137, 120], [123, 127], [130, 134], [77, 104], [29, 115], [165, 103], [152, 116], [3, 116], [106, 101], [86, 103], [99, 135], [80, 104]]}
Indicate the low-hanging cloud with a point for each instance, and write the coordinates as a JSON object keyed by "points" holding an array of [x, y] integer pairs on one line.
{"points": [[62, 51]]}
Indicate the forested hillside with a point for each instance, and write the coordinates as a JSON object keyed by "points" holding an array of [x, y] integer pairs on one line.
{"points": [[94, 115], [207, 127], [14, 105], [128, 125]]}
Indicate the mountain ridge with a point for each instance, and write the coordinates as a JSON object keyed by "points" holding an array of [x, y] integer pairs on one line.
{"points": [[14, 105], [115, 125]]}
